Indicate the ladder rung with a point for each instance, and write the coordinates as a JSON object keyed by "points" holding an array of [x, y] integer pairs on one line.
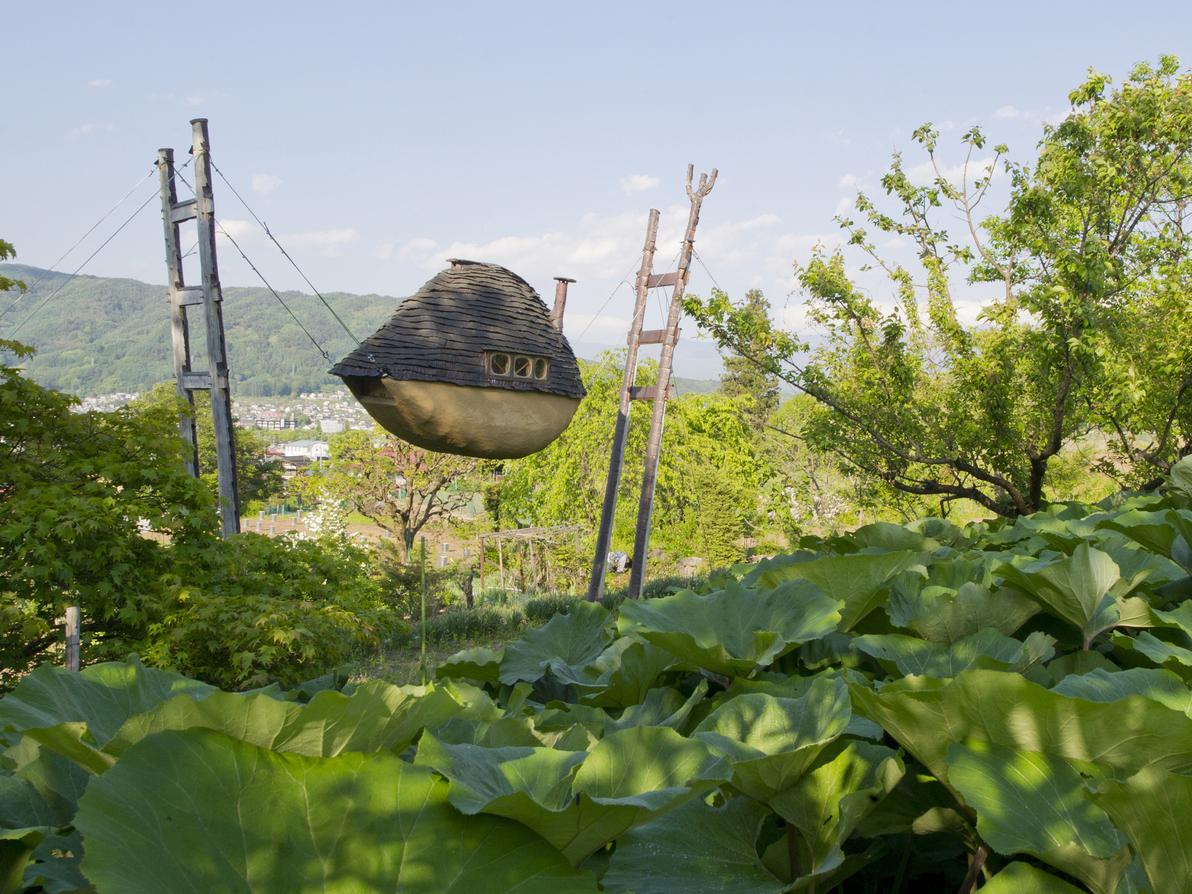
{"points": [[649, 392], [196, 381], [188, 296], [182, 211], [652, 337], [657, 280]]}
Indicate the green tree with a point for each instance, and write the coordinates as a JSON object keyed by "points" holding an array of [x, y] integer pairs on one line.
{"points": [[258, 476], [751, 383], [1091, 252], [77, 491], [6, 284], [398, 486], [709, 475]]}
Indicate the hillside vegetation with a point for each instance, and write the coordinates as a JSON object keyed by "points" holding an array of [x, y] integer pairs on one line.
{"points": [[906, 708], [102, 335]]}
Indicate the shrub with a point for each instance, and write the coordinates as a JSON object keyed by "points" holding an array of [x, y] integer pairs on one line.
{"points": [[266, 609], [475, 623]]}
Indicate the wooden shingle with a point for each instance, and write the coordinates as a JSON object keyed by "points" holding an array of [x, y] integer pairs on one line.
{"points": [[443, 332]]}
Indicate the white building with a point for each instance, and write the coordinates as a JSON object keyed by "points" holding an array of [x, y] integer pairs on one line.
{"points": [[308, 449], [330, 426]]}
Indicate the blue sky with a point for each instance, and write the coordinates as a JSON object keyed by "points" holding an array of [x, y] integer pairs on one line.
{"points": [[377, 139]]}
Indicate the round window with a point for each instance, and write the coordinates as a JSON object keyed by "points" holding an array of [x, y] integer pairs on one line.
{"points": [[541, 368], [521, 367], [499, 364]]}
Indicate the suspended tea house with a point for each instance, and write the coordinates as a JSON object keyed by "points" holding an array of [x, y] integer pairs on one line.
{"points": [[473, 363]]}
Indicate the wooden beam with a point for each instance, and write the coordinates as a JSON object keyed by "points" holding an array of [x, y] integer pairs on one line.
{"points": [[641, 539], [217, 358], [179, 330], [72, 638], [621, 428]]}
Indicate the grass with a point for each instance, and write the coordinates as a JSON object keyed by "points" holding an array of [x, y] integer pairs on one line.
{"points": [[402, 666], [497, 619]]}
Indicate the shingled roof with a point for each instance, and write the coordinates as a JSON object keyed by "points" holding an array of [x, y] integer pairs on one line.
{"points": [[442, 332]]}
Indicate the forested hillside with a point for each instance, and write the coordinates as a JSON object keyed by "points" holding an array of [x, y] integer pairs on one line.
{"points": [[104, 334], [101, 335]]}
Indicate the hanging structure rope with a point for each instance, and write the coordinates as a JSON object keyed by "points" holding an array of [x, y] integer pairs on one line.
{"points": [[54, 294], [264, 226], [90, 257], [261, 277], [33, 285]]}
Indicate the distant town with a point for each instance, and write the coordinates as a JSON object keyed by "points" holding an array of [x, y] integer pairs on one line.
{"points": [[300, 425]]}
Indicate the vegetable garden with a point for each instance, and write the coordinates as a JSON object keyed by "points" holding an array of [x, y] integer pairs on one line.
{"points": [[1003, 707]]}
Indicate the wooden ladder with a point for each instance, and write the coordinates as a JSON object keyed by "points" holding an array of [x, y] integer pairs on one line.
{"points": [[208, 296], [657, 394]]}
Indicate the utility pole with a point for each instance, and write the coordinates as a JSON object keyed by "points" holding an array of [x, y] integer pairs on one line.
{"points": [[209, 296], [658, 394]]}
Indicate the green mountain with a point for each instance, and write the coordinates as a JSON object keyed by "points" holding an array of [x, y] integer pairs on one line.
{"points": [[101, 335]]}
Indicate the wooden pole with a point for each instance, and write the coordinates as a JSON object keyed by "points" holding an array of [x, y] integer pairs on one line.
{"points": [[556, 314], [72, 638], [178, 293], [422, 659], [481, 563], [641, 540], [217, 359], [621, 430], [501, 563]]}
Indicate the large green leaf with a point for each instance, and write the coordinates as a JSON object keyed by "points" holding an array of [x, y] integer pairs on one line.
{"points": [[773, 741], [1162, 532], [916, 656], [736, 630], [828, 803], [1153, 808], [1101, 685], [103, 696], [529, 784], [928, 716], [1037, 804], [945, 615], [651, 767], [375, 717], [1023, 878], [858, 581], [621, 675], [197, 811], [481, 664], [1085, 589], [565, 643], [712, 850]]}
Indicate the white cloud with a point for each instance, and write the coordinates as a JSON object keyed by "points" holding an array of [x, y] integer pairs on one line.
{"points": [[844, 206], [195, 100], [242, 231], [327, 242], [265, 183], [849, 181], [1007, 112], [417, 249], [638, 183], [385, 251], [91, 128], [100, 82], [924, 173], [604, 329]]}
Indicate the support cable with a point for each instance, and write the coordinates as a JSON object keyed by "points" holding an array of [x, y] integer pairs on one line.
{"points": [[264, 226], [261, 277], [54, 294], [33, 285]]}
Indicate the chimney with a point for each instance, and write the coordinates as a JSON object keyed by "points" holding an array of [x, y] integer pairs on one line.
{"points": [[556, 315]]}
